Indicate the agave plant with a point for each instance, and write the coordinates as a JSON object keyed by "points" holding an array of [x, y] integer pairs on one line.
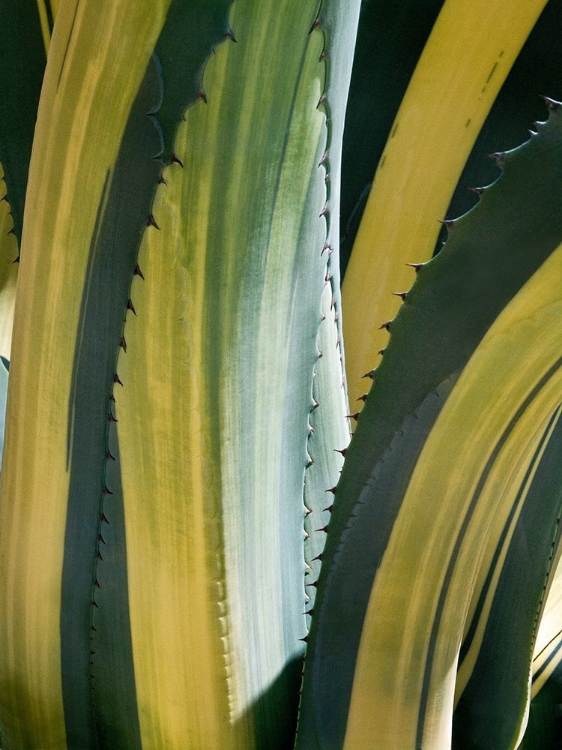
{"points": [[182, 564]]}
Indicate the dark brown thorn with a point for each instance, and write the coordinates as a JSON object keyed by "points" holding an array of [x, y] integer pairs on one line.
{"points": [[116, 379], [103, 519], [97, 584], [324, 529], [386, 325], [343, 451], [323, 56], [200, 96], [310, 611], [402, 295], [106, 490], [97, 606], [332, 490], [17, 260], [229, 34], [131, 307], [324, 211], [328, 509], [499, 157], [174, 160], [123, 343], [318, 557], [99, 557], [323, 99], [101, 540], [4, 198], [309, 463], [363, 397], [324, 159], [315, 404], [552, 104], [151, 222], [112, 398], [138, 272], [305, 639], [94, 629], [307, 511], [477, 190], [449, 223], [416, 266], [315, 24], [315, 584], [319, 353], [325, 247], [370, 374], [162, 181], [353, 416], [381, 352], [111, 418]]}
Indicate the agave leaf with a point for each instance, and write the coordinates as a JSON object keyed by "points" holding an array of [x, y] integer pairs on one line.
{"points": [[456, 299], [218, 378], [466, 59]]}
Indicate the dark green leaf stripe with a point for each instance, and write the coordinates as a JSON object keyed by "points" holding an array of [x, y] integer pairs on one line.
{"points": [[490, 254], [22, 63]]}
